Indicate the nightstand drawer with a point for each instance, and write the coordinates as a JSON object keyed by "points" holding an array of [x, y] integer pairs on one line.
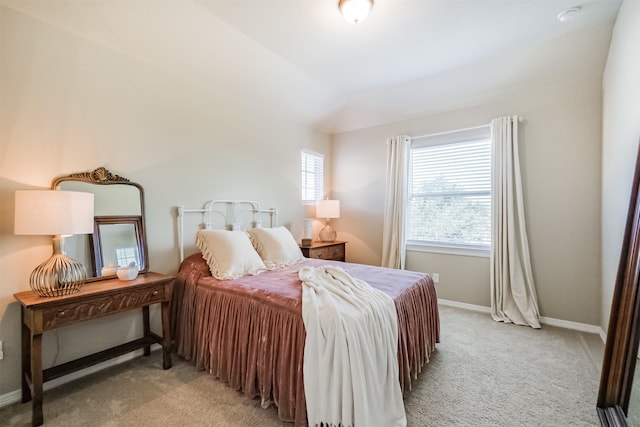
{"points": [[331, 252], [334, 251], [56, 317]]}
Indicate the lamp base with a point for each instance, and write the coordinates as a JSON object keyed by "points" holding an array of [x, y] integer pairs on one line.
{"points": [[328, 234], [59, 275]]}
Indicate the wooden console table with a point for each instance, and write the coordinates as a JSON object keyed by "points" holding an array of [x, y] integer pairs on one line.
{"points": [[95, 299]]}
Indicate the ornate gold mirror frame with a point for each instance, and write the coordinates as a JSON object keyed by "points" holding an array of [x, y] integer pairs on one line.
{"points": [[118, 202], [621, 348]]}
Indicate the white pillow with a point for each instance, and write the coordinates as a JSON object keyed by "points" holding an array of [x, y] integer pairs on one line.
{"points": [[229, 254], [276, 246]]}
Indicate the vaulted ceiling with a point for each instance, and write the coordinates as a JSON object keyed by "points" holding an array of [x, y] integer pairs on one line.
{"points": [[409, 58]]}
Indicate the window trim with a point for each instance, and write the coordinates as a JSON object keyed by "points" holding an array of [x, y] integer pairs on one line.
{"points": [[445, 138], [440, 248]]}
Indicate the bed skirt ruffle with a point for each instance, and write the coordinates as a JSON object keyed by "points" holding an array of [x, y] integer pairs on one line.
{"points": [[258, 348]]}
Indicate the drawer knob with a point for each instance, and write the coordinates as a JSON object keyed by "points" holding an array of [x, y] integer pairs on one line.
{"points": [[61, 313], [155, 292]]}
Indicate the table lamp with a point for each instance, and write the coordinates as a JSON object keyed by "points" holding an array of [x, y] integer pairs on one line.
{"points": [[59, 214], [328, 209]]}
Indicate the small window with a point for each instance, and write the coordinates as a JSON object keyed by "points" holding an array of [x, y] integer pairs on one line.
{"points": [[311, 176], [449, 191]]}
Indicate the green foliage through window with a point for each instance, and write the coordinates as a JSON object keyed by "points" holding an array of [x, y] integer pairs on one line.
{"points": [[450, 194]]}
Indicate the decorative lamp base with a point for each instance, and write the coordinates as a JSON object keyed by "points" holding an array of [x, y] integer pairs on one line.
{"points": [[59, 275], [328, 234]]}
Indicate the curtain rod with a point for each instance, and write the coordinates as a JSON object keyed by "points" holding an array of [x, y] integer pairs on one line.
{"points": [[457, 130]]}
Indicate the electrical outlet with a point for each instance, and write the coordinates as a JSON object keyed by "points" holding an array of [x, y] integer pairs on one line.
{"points": [[1, 351], [435, 277]]}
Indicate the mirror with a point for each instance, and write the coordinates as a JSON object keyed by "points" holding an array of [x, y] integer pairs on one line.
{"points": [[119, 232], [117, 242], [621, 348]]}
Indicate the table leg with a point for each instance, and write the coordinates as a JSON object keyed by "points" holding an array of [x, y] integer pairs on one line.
{"points": [[36, 379], [166, 337], [146, 327], [26, 359]]}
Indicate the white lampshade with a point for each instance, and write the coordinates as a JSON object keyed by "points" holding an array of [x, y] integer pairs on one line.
{"points": [[328, 209], [355, 11], [51, 212]]}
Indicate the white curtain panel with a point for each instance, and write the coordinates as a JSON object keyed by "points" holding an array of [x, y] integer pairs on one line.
{"points": [[393, 245], [513, 294]]}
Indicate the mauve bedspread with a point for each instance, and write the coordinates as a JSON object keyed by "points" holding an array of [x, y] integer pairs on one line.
{"points": [[249, 331]]}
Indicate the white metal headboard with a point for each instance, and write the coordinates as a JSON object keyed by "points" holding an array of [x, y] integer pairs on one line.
{"points": [[231, 211]]}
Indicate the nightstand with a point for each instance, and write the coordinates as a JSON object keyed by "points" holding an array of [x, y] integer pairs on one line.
{"points": [[93, 300], [325, 250]]}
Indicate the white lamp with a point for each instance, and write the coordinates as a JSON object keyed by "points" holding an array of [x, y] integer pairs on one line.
{"points": [[56, 213], [355, 11], [328, 209]]}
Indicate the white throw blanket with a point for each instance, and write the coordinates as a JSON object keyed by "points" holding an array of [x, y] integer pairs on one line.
{"points": [[350, 354]]}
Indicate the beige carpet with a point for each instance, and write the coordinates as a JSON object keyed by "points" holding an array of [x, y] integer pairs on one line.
{"points": [[483, 374]]}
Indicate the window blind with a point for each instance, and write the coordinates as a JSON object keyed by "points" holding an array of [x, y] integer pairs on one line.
{"points": [[450, 194], [311, 176]]}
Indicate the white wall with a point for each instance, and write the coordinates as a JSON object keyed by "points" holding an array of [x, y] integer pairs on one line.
{"points": [[620, 136], [70, 104], [560, 155]]}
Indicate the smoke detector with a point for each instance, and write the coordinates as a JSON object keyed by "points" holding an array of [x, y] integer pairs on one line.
{"points": [[568, 15]]}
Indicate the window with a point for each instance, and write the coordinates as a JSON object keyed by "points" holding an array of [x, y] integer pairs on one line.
{"points": [[311, 176], [125, 256], [449, 191]]}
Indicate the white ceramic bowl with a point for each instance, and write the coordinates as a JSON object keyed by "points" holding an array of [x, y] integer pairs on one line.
{"points": [[127, 273]]}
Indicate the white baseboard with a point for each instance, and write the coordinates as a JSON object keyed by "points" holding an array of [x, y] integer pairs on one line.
{"points": [[16, 396], [464, 305], [576, 326], [10, 398]]}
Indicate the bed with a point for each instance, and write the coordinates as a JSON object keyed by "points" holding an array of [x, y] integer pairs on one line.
{"points": [[248, 331]]}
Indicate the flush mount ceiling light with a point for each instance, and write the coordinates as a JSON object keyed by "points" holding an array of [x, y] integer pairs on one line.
{"points": [[355, 11], [568, 14]]}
